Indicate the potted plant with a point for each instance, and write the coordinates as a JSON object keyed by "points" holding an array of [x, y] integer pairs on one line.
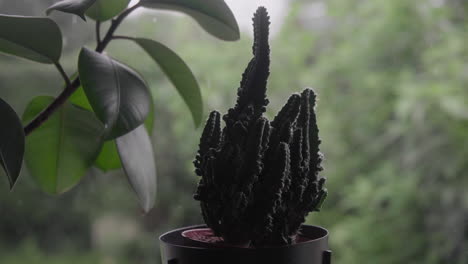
{"points": [[259, 179], [104, 115]]}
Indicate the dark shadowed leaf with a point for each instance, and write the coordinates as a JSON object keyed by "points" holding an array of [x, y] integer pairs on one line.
{"points": [[179, 73], [103, 10], [11, 142], [77, 7], [213, 15], [119, 97], [35, 38], [59, 152], [136, 153]]}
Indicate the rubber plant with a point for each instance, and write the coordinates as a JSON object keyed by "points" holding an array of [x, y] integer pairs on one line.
{"points": [[102, 116], [260, 179]]}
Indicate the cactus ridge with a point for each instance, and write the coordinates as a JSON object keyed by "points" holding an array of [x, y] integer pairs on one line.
{"points": [[260, 179]]}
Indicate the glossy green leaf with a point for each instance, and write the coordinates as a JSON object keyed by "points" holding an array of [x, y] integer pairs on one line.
{"points": [[79, 98], [34, 38], [178, 73], [119, 97], [136, 153], [108, 159], [77, 7], [213, 15], [59, 152], [103, 10], [11, 142]]}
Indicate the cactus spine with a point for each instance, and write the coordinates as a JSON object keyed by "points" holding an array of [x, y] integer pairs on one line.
{"points": [[259, 180]]}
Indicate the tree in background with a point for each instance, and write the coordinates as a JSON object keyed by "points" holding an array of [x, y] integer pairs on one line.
{"points": [[392, 83]]}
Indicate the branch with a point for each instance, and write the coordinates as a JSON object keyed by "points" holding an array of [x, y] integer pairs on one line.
{"points": [[114, 25], [98, 32], [59, 101], [72, 86], [62, 72]]}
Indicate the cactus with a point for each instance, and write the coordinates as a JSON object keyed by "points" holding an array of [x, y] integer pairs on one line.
{"points": [[260, 179]]}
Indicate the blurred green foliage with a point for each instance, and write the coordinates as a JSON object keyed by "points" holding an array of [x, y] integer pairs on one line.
{"points": [[393, 115]]}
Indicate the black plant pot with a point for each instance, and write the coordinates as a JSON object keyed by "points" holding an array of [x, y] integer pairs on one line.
{"points": [[176, 249]]}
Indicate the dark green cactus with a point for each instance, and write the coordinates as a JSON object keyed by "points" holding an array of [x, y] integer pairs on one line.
{"points": [[260, 179]]}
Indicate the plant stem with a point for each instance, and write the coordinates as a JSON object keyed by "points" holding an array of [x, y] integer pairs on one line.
{"points": [[63, 73], [114, 25], [72, 86], [98, 32], [59, 101]]}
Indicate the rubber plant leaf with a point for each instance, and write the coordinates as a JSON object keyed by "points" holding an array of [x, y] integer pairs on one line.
{"points": [[77, 7], [34, 38], [213, 15], [11, 142], [103, 10], [59, 153], [108, 158], [178, 73], [136, 153], [118, 95]]}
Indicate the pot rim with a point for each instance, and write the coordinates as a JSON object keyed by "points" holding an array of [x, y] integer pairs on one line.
{"points": [[163, 239]]}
